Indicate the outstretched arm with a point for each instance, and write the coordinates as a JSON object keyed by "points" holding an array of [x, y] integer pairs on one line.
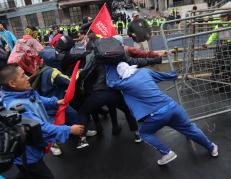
{"points": [[141, 62], [163, 76], [137, 53]]}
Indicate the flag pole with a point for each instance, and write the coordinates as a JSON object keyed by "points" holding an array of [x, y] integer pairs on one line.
{"points": [[85, 37]]}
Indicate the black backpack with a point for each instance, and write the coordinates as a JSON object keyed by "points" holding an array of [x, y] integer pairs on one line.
{"points": [[109, 51]]}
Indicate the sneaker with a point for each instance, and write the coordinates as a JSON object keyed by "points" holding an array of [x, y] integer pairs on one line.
{"points": [[91, 133], [214, 152], [56, 150], [83, 143], [137, 138], [167, 158]]}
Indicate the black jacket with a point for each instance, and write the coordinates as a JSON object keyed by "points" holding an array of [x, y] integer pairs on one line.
{"points": [[141, 29], [3, 57], [93, 75]]}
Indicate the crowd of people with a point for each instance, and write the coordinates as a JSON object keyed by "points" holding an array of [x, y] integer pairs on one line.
{"points": [[37, 77]]}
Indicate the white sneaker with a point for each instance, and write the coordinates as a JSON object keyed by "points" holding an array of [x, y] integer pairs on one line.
{"points": [[91, 133], [83, 143], [56, 150], [167, 158], [214, 152]]}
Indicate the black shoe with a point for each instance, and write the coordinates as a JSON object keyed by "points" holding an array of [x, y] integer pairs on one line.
{"points": [[137, 138], [116, 130], [82, 143]]}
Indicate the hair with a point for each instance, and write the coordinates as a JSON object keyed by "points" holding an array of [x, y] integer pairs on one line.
{"points": [[7, 72], [82, 32], [3, 24], [33, 28], [92, 37], [226, 14], [85, 19], [194, 8], [55, 27]]}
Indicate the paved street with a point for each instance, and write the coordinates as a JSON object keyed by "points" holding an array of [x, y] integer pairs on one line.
{"points": [[110, 157]]}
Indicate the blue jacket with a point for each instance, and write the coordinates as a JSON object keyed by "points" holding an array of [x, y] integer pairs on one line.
{"points": [[36, 106], [140, 91], [9, 38]]}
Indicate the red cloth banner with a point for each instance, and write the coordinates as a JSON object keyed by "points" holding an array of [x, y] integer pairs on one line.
{"points": [[103, 24], [60, 115]]}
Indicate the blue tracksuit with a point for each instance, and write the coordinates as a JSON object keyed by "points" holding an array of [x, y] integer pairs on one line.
{"points": [[147, 102], [36, 106]]}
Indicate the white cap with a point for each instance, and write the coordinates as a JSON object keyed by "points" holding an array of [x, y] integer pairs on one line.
{"points": [[135, 13]]}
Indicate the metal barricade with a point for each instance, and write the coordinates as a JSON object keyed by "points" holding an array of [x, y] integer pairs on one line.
{"points": [[204, 74]]}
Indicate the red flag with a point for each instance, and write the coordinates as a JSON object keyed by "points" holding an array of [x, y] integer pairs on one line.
{"points": [[103, 24], [60, 116]]}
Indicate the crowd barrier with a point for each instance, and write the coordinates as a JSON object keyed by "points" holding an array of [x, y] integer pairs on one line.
{"points": [[204, 84]]}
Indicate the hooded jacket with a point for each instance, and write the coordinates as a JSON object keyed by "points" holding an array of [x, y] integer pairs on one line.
{"points": [[140, 90], [35, 109], [9, 38]]}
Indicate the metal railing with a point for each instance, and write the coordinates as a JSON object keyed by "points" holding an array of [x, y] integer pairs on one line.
{"points": [[219, 4], [204, 87]]}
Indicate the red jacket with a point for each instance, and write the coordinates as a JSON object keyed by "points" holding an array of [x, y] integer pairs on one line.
{"points": [[137, 53], [56, 39]]}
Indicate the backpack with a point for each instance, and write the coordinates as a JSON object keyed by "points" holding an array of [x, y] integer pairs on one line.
{"points": [[77, 49], [50, 57], [109, 51]]}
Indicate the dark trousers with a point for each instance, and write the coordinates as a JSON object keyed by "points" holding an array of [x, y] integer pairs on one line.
{"points": [[120, 30], [37, 170], [110, 98], [74, 117]]}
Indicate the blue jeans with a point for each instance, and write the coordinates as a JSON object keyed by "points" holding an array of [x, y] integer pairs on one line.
{"points": [[175, 117]]}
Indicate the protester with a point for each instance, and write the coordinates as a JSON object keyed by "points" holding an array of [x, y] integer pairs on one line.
{"points": [[3, 56], [50, 82], [150, 105], [17, 90], [87, 21], [26, 51], [93, 82], [7, 36], [140, 31], [82, 38], [55, 36]]}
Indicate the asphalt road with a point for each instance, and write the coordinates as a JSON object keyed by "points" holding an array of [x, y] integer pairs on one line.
{"points": [[118, 157]]}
